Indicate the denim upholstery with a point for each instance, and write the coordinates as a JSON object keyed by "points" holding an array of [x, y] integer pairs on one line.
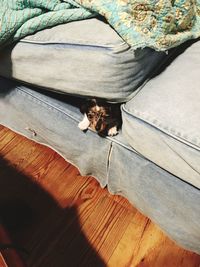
{"points": [[93, 61], [154, 161], [162, 121], [170, 202]]}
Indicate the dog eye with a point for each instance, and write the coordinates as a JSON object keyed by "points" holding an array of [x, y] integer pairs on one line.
{"points": [[104, 115], [90, 115]]}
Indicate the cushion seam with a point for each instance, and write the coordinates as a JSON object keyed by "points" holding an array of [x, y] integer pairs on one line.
{"points": [[63, 43], [53, 108], [47, 104], [156, 123], [59, 42]]}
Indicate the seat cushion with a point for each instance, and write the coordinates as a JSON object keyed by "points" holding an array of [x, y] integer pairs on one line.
{"points": [[85, 58], [162, 122]]}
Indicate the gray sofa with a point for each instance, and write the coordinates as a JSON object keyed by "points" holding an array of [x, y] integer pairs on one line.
{"points": [[154, 161]]}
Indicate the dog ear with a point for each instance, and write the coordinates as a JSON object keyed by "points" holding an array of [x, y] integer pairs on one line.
{"points": [[88, 103], [92, 102], [84, 108]]}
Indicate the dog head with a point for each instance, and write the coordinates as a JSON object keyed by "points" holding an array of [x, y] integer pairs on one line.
{"points": [[101, 115]]}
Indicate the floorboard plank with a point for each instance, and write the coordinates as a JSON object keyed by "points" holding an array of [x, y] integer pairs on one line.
{"points": [[64, 219]]}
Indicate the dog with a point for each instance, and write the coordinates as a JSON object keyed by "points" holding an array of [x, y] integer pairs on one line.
{"points": [[104, 118]]}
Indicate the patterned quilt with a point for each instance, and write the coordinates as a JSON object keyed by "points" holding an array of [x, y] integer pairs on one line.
{"points": [[159, 24]]}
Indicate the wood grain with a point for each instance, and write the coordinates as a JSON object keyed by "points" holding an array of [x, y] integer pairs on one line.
{"points": [[64, 219], [2, 261]]}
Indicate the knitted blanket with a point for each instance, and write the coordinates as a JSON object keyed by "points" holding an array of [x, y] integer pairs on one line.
{"points": [[159, 24]]}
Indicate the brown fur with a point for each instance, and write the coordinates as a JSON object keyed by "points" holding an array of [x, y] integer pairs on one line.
{"points": [[102, 116]]}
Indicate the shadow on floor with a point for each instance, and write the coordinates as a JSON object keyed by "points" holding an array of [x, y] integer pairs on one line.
{"points": [[52, 235]]}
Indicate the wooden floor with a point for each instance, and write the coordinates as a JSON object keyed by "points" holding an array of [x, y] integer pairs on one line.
{"points": [[64, 220]]}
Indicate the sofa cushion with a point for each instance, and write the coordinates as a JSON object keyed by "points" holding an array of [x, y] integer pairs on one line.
{"points": [[85, 58], [162, 122]]}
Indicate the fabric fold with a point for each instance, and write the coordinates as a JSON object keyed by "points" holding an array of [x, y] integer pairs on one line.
{"points": [[158, 24]]}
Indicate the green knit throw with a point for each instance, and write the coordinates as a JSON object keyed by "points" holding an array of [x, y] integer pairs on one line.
{"points": [[159, 24]]}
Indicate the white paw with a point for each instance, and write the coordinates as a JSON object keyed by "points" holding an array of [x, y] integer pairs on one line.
{"points": [[84, 124], [112, 131]]}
